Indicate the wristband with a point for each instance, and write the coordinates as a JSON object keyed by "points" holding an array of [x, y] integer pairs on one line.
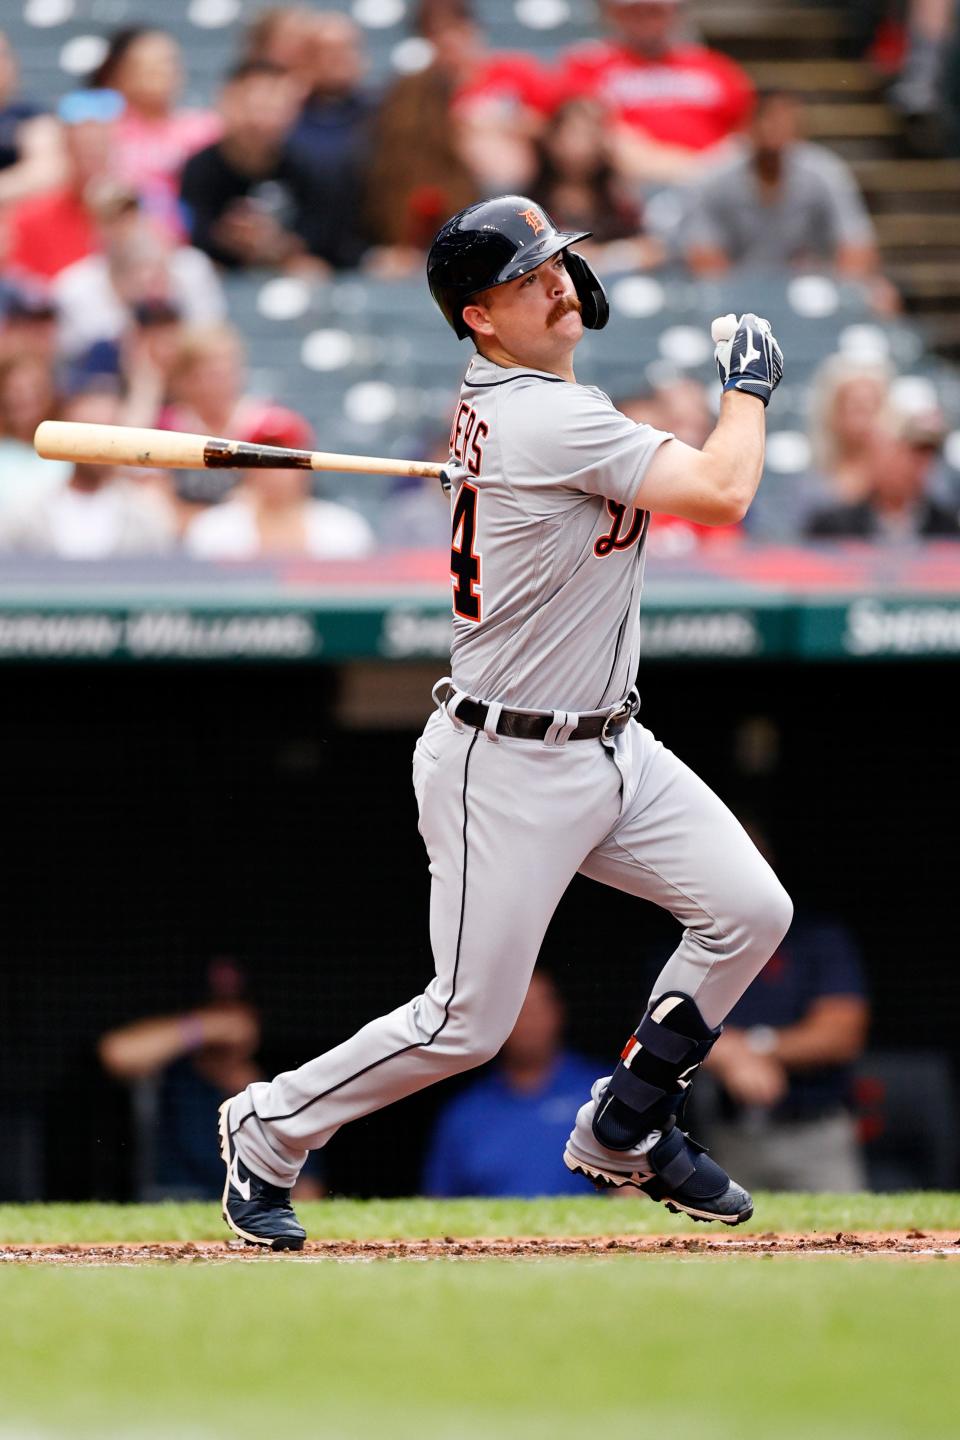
{"points": [[191, 1032], [762, 1039]]}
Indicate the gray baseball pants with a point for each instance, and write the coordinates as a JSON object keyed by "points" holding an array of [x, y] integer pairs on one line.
{"points": [[507, 823]]}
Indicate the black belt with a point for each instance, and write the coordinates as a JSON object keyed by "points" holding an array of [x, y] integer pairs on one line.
{"points": [[522, 725]]}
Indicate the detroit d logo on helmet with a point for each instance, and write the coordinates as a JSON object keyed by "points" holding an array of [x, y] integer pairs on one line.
{"points": [[533, 219]]}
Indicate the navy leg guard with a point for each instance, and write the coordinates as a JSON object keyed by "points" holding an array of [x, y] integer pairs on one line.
{"points": [[690, 1183], [648, 1088]]}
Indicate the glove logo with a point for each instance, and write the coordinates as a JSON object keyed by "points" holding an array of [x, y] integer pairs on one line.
{"points": [[751, 353]]}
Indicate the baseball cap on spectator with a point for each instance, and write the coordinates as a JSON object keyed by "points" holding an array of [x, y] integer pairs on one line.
{"points": [[80, 106], [109, 198], [27, 302], [916, 415], [279, 426], [157, 311]]}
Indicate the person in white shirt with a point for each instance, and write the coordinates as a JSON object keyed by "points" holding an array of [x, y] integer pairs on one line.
{"points": [[98, 512], [273, 512], [97, 296]]}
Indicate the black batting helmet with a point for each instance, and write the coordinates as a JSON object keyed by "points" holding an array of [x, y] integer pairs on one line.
{"points": [[499, 240]]}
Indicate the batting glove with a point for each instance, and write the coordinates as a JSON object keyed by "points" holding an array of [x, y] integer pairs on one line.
{"points": [[751, 359]]}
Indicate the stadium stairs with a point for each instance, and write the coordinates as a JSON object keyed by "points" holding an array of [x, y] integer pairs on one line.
{"points": [[914, 199]]}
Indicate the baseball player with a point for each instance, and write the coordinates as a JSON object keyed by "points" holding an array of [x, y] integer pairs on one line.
{"points": [[533, 765]]}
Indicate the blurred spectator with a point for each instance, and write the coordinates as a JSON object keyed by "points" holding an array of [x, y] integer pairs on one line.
{"points": [[499, 99], [31, 153], [97, 512], [446, 135], [273, 512], [950, 86], [670, 100], [48, 232], [901, 460], [27, 396], [504, 1134], [283, 35], [153, 137], [146, 356], [847, 396], [680, 405], [98, 296], [195, 1060], [323, 53], [252, 199], [577, 185], [333, 129], [28, 319], [778, 200], [208, 376], [416, 512], [918, 92], [784, 1064]]}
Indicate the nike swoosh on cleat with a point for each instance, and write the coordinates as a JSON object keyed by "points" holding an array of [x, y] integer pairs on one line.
{"points": [[242, 1187]]}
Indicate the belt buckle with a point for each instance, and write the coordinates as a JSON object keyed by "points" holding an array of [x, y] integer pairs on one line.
{"points": [[622, 713]]}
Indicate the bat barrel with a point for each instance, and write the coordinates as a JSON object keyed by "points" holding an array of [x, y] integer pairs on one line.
{"points": [[119, 445]]}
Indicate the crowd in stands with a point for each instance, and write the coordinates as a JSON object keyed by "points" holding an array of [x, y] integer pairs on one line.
{"points": [[121, 212]]}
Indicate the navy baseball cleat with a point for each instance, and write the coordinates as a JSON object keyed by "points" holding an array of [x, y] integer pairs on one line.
{"points": [[674, 1170], [257, 1211]]}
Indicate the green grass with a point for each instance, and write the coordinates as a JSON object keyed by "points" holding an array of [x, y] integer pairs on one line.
{"points": [[747, 1349], [415, 1219], [690, 1347]]}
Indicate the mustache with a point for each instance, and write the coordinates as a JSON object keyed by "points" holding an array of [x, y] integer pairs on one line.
{"points": [[563, 307]]}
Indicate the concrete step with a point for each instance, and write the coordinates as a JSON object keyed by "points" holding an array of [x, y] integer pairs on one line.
{"points": [[936, 281], [829, 120], [908, 176], [836, 78], [922, 231], [758, 32]]}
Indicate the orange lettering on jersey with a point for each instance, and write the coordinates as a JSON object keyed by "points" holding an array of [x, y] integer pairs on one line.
{"points": [[613, 539], [475, 459], [465, 560], [468, 430], [534, 219], [464, 438], [456, 432]]}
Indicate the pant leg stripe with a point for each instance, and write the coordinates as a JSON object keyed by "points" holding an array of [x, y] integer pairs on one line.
{"points": [[418, 1045]]}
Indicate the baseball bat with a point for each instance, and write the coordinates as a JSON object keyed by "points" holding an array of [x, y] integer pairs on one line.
{"points": [[174, 450]]}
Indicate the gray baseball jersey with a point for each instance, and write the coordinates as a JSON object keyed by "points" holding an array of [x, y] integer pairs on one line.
{"points": [[547, 566], [548, 549]]}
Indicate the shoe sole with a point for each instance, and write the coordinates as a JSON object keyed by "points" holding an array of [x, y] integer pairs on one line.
{"points": [[610, 1180], [279, 1242]]}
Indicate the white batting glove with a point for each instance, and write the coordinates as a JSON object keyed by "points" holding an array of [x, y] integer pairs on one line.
{"points": [[748, 355]]}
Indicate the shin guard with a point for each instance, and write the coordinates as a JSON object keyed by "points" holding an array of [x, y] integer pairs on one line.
{"points": [[649, 1086]]}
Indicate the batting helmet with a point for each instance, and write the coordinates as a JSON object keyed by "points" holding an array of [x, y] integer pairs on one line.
{"points": [[499, 240]]}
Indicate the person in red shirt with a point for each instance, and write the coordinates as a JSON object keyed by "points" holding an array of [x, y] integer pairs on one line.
{"points": [[672, 100], [499, 100], [50, 231]]}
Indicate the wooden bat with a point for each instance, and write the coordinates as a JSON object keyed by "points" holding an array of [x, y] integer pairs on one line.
{"points": [[173, 450]]}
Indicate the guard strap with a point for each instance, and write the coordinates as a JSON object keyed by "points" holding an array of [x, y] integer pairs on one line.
{"points": [[671, 1159], [664, 1044], [638, 1094]]}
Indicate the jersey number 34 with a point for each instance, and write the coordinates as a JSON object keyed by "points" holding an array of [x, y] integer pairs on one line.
{"points": [[464, 560]]}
